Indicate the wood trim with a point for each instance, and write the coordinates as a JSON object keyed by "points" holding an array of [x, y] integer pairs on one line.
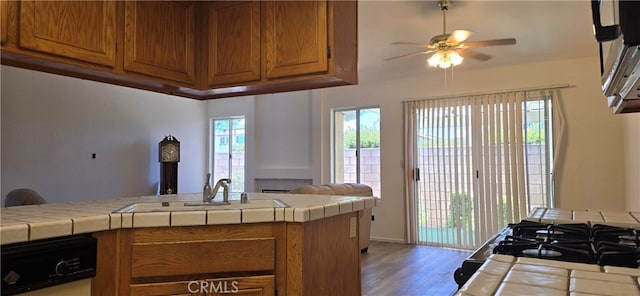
{"points": [[107, 276], [210, 232], [280, 234], [124, 261], [295, 257], [343, 34]]}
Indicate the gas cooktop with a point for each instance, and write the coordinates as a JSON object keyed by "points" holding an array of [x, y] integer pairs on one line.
{"points": [[575, 242], [572, 242]]}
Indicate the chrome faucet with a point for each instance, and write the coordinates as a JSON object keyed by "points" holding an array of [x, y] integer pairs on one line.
{"points": [[209, 194]]}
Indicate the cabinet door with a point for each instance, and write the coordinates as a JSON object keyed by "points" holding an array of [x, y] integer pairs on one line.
{"points": [[83, 30], [295, 37], [4, 21], [245, 286], [234, 42], [160, 39]]}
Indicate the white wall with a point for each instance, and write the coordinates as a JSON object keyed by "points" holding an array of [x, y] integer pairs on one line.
{"points": [[52, 124], [283, 136], [632, 159]]}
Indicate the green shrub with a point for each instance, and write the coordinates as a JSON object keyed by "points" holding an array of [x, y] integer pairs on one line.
{"points": [[458, 202]]}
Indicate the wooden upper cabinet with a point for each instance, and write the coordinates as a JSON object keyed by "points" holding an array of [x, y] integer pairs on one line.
{"points": [[160, 39], [195, 49], [295, 38], [82, 30], [4, 21], [233, 49]]}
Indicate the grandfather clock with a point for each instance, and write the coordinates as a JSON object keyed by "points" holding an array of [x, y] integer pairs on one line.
{"points": [[169, 156]]}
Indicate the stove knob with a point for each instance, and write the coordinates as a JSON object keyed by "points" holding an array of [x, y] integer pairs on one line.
{"points": [[62, 268]]}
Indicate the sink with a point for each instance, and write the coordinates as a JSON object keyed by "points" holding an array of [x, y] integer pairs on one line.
{"points": [[173, 206]]}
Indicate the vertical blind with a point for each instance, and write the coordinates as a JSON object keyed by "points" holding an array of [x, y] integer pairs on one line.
{"points": [[468, 161]]}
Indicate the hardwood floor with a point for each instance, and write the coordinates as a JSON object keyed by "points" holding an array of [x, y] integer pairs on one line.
{"points": [[409, 270]]}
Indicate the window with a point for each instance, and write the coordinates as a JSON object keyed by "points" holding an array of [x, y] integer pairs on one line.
{"points": [[227, 157], [356, 147]]}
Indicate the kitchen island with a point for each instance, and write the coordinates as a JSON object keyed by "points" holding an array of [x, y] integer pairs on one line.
{"points": [[308, 248]]}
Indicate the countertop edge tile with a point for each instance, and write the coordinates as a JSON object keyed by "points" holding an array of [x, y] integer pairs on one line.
{"points": [[154, 219], [188, 218], [358, 205], [50, 228], [91, 224], [116, 221], [15, 233], [346, 207], [332, 209], [127, 220], [258, 215], [301, 214], [278, 215], [224, 217], [316, 213]]}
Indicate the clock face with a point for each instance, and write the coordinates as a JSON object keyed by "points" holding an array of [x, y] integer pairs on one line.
{"points": [[170, 153]]}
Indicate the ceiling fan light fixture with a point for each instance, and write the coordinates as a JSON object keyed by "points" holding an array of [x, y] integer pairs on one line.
{"points": [[456, 59], [447, 47], [445, 59]]}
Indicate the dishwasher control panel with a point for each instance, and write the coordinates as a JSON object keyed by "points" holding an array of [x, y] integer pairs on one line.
{"points": [[38, 264]]}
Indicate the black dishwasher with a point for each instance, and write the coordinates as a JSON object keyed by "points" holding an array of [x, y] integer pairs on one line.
{"points": [[43, 263]]}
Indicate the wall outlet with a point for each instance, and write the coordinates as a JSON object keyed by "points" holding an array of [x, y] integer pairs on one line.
{"points": [[353, 231]]}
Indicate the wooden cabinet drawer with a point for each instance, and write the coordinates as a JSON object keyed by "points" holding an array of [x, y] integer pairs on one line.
{"points": [[245, 286], [202, 257]]}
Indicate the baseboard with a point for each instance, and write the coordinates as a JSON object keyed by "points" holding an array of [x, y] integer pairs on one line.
{"points": [[387, 240]]}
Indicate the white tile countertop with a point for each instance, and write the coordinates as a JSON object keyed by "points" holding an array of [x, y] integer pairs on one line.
{"points": [[559, 216], [507, 275], [28, 223]]}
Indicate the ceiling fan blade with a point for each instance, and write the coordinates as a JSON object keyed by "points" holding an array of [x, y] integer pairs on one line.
{"points": [[409, 55], [474, 44], [465, 53], [458, 36], [410, 43]]}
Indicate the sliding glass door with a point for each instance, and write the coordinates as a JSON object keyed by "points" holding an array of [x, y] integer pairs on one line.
{"points": [[228, 149], [356, 147], [478, 163]]}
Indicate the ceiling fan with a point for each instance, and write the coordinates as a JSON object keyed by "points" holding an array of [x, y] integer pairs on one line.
{"points": [[449, 48]]}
